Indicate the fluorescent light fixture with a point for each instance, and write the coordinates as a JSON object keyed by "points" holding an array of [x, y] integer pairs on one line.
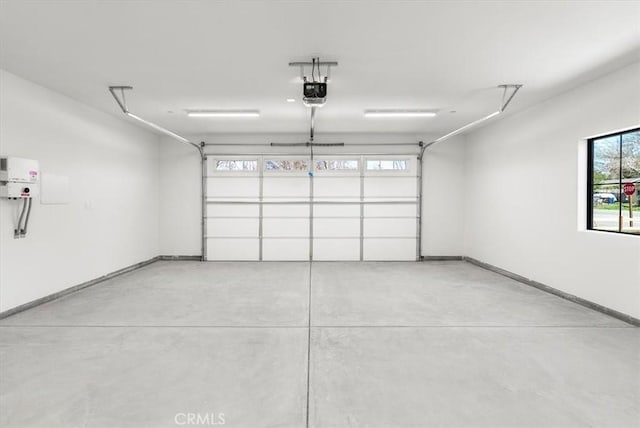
{"points": [[159, 128], [291, 100], [399, 113], [223, 113]]}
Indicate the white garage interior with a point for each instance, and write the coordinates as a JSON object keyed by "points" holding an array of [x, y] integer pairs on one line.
{"points": [[319, 214]]}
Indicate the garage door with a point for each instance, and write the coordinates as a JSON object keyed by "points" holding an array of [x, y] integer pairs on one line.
{"points": [[295, 208]]}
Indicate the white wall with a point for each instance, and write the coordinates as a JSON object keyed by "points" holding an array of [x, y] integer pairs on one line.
{"points": [[180, 184], [112, 219], [180, 208], [523, 196], [444, 195]]}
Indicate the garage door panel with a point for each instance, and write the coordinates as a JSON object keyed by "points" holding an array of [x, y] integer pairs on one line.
{"points": [[390, 187], [286, 210], [233, 249], [285, 249], [389, 249], [331, 188], [233, 187], [286, 187], [336, 249], [390, 210], [233, 227], [336, 227], [335, 210], [274, 222], [390, 227], [233, 210], [280, 228]]}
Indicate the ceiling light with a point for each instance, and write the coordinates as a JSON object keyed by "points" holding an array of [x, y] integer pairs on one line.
{"points": [[291, 100], [399, 113], [223, 113]]}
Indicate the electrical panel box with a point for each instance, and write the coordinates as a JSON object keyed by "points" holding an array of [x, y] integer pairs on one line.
{"points": [[18, 177], [19, 170]]}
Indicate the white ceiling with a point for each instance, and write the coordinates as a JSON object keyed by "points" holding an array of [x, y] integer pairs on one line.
{"points": [[398, 54]]}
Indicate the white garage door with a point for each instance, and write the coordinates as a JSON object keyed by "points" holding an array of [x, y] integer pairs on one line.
{"points": [[290, 208]]}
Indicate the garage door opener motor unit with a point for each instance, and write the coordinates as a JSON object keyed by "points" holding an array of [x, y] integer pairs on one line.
{"points": [[19, 181], [314, 89]]}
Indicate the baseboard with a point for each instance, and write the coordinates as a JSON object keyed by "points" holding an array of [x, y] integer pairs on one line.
{"points": [[440, 258], [181, 258], [575, 299], [76, 288]]}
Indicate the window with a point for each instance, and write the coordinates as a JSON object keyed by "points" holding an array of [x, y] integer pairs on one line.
{"points": [[286, 165], [337, 165], [236, 165], [387, 165], [614, 183]]}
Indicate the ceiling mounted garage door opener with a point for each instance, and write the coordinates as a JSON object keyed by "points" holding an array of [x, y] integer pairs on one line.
{"points": [[314, 92]]}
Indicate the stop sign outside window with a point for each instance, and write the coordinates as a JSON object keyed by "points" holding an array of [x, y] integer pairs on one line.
{"points": [[629, 189]]}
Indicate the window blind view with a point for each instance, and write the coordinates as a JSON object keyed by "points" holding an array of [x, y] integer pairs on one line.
{"points": [[337, 165], [615, 183], [286, 165], [387, 165], [236, 165]]}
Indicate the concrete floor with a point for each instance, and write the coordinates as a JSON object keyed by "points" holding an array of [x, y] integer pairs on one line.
{"points": [[390, 344]]}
